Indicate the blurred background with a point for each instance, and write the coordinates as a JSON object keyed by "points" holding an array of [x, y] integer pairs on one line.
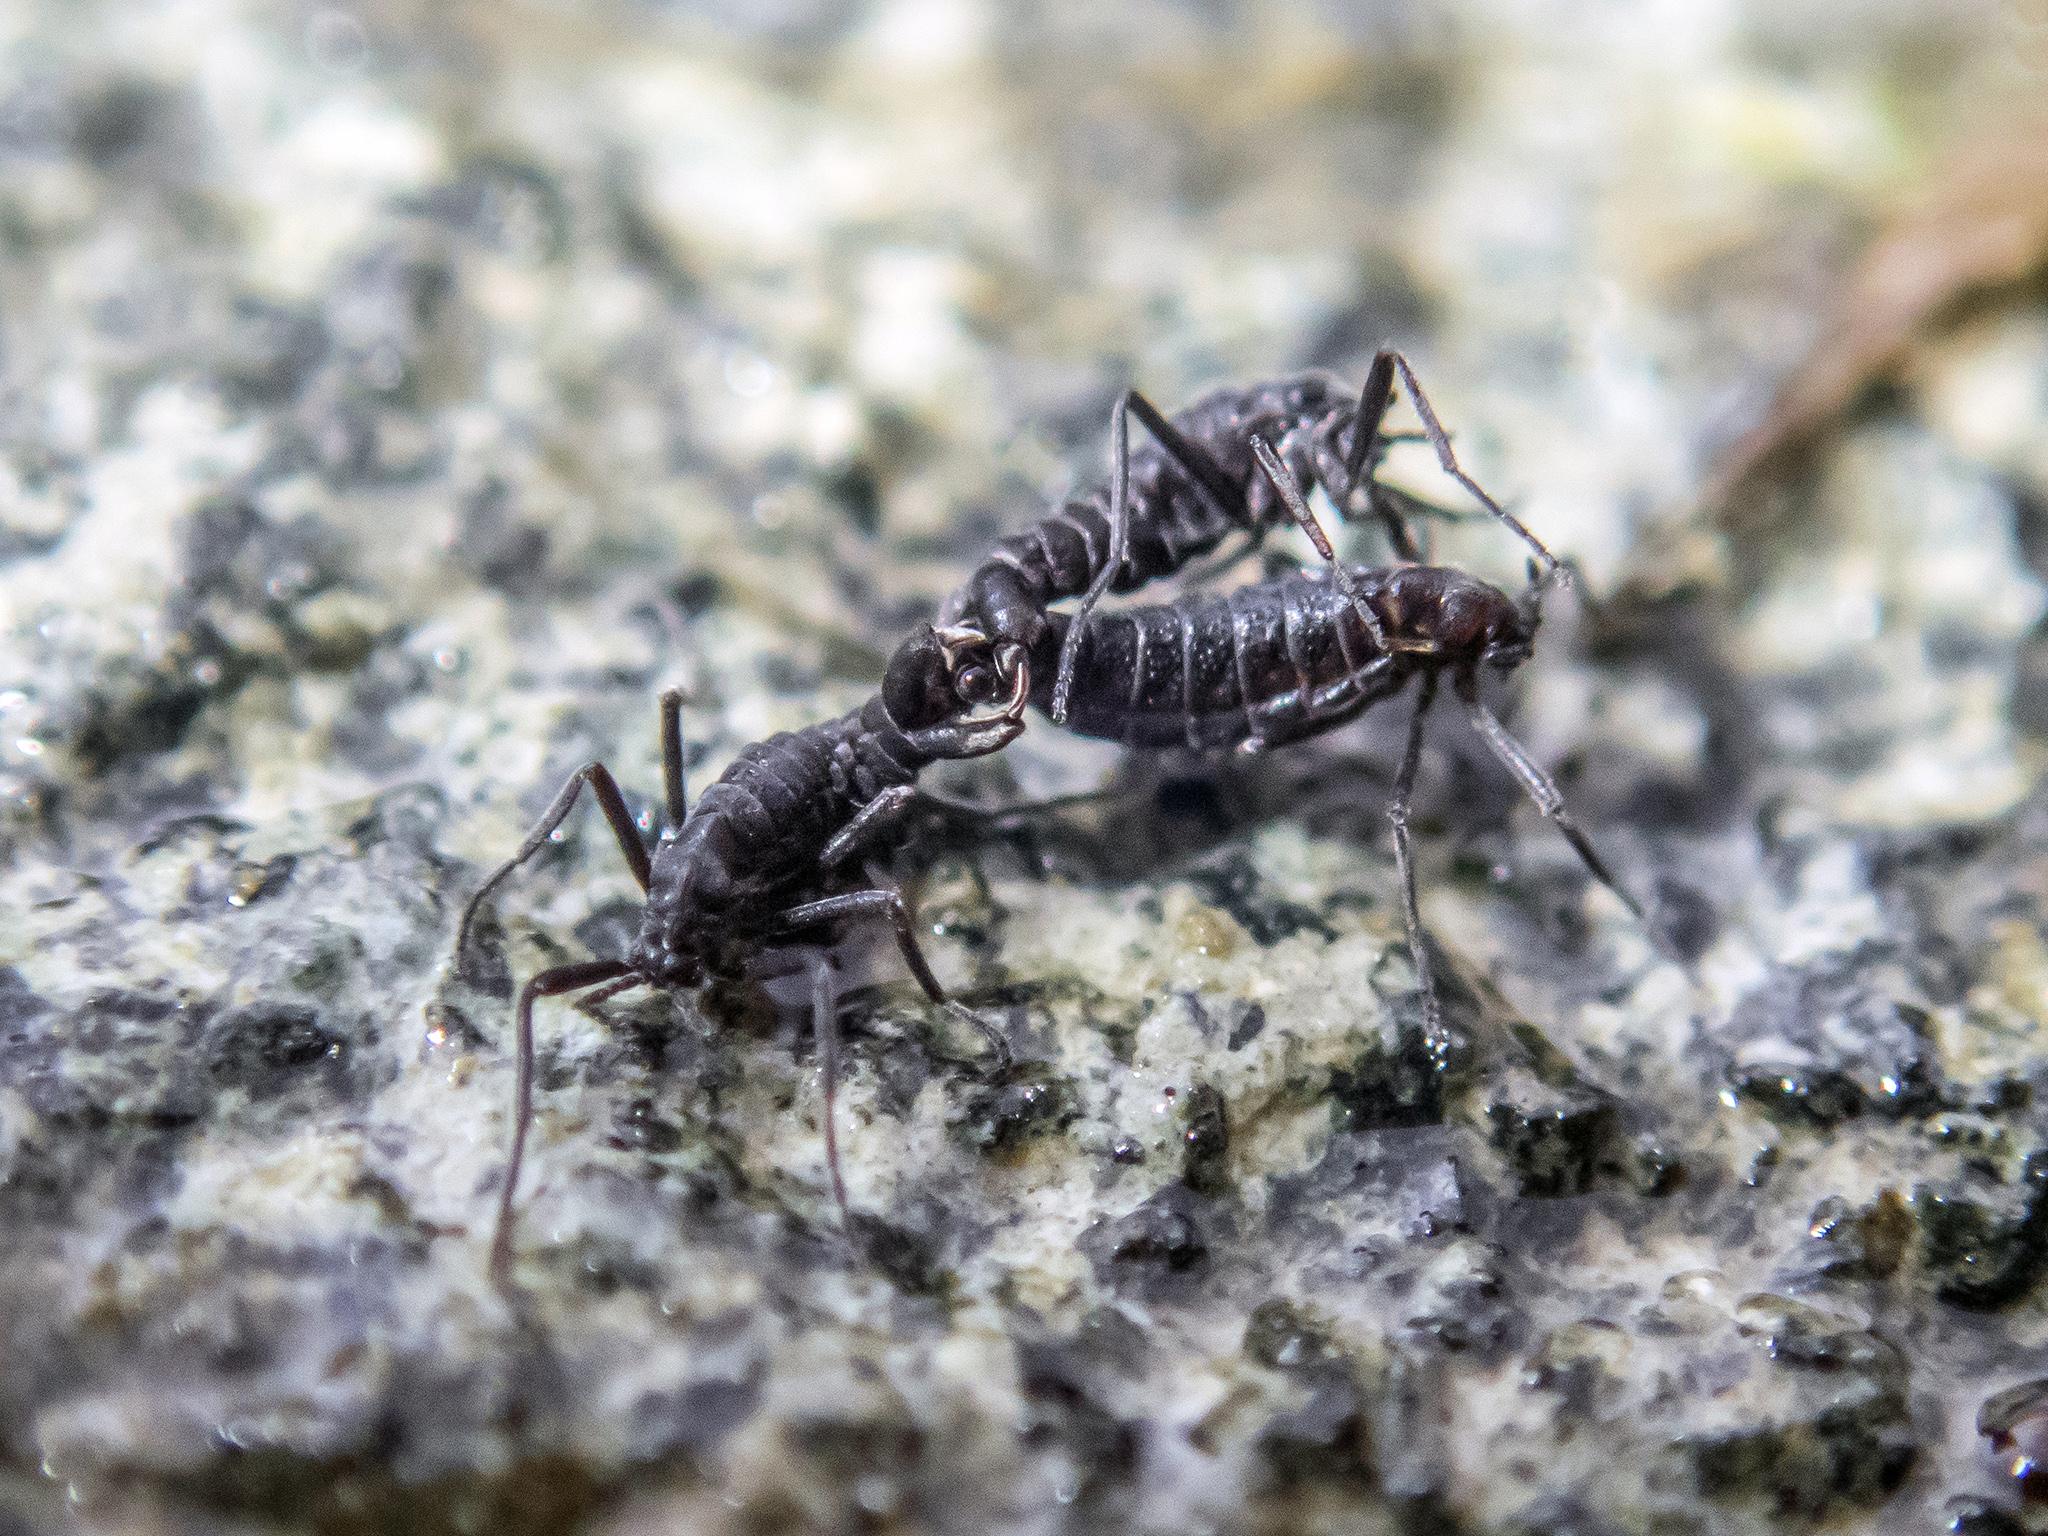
{"points": [[395, 396]]}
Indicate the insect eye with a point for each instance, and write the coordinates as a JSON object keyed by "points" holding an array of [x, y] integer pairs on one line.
{"points": [[976, 684]]}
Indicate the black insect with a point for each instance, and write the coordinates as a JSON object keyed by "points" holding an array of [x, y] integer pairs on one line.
{"points": [[754, 863], [1275, 662], [1181, 497]]}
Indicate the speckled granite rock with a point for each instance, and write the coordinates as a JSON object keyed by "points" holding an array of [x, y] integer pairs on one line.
{"points": [[394, 398]]}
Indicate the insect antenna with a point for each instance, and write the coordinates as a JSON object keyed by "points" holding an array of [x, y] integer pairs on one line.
{"points": [[1540, 788], [825, 1028], [676, 803], [1435, 1041], [550, 983]]}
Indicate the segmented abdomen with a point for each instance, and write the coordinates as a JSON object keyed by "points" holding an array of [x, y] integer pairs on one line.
{"points": [[1261, 665], [782, 800], [1172, 520]]}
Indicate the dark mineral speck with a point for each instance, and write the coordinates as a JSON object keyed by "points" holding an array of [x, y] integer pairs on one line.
{"points": [[1969, 1516], [1205, 1140], [1025, 1103]]}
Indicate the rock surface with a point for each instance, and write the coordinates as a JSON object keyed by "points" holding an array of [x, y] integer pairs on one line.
{"points": [[394, 398]]}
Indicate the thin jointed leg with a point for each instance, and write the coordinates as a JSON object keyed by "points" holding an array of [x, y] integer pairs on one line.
{"points": [[1368, 419], [1440, 442], [1433, 1038], [825, 1029], [1385, 505], [878, 903], [1226, 501], [1400, 511], [609, 800], [1191, 460], [889, 903], [1119, 551], [869, 822], [675, 803], [563, 978], [1297, 504], [1540, 788], [1374, 400]]}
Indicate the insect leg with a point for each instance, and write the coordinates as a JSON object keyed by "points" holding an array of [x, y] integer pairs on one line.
{"points": [[1440, 441], [1119, 551], [967, 738], [1290, 492], [885, 901], [1191, 459], [825, 1030], [1540, 788], [550, 983], [874, 818], [1374, 400], [873, 903], [1399, 509], [1388, 511], [609, 800], [1225, 500], [1404, 864], [672, 757]]}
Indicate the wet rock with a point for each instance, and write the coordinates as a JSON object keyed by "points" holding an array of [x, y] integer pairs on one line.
{"points": [[1559, 1515], [1325, 1433], [1854, 1448], [1158, 1247], [264, 1050], [1325, 1438], [1968, 1516], [1553, 1139], [1247, 1028], [1231, 882], [1651, 1167], [268, 351], [1066, 1409], [1982, 1241], [2015, 1421], [1859, 1243], [1025, 1103], [1821, 1045], [1433, 1201], [1850, 1456], [19, 1006], [1390, 1083]]}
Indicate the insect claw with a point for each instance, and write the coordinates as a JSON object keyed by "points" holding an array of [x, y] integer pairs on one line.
{"points": [[958, 637]]}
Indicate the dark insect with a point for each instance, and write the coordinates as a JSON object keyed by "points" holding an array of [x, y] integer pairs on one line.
{"points": [[1279, 661], [1198, 482], [752, 865]]}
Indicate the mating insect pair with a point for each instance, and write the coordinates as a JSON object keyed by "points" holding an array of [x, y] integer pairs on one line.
{"points": [[1250, 669], [1263, 665]]}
